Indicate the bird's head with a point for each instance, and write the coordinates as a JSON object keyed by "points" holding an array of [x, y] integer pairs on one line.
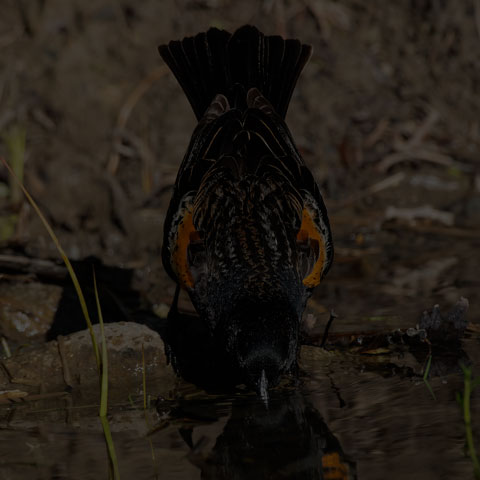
{"points": [[261, 339]]}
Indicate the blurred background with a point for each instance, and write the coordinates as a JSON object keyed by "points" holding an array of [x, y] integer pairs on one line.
{"points": [[386, 114]]}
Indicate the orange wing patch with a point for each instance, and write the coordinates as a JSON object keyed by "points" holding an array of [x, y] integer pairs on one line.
{"points": [[308, 230], [185, 234], [333, 467]]}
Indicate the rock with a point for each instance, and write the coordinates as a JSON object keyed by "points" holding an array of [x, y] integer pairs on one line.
{"points": [[27, 310], [69, 362]]}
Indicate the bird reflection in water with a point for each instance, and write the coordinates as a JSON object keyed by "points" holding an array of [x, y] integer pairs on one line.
{"points": [[287, 440]]}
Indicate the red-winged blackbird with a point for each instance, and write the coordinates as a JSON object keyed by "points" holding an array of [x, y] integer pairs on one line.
{"points": [[246, 233]]}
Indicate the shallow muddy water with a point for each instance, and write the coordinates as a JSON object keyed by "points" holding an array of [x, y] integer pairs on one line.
{"points": [[346, 416]]}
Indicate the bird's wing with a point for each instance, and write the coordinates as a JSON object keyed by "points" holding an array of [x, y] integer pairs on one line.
{"points": [[179, 231], [314, 235]]}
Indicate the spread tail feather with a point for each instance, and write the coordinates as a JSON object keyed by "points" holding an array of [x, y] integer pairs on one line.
{"points": [[217, 62]]}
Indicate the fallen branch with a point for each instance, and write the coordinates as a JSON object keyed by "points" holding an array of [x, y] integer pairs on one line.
{"points": [[36, 266]]}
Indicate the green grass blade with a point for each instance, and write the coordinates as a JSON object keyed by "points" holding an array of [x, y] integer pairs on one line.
{"points": [[104, 361], [65, 259], [110, 447], [425, 377], [112, 456], [467, 418]]}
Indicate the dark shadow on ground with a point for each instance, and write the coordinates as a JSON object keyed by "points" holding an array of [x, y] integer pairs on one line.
{"points": [[119, 301]]}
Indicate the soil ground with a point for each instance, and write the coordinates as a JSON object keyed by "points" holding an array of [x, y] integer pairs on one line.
{"points": [[385, 114]]}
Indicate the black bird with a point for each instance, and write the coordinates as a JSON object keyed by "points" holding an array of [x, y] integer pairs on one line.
{"points": [[246, 233]]}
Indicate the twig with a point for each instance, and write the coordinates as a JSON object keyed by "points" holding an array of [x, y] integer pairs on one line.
{"points": [[376, 134], [333, 316], [422, 131], [422, 154], [128, 107], [37, 266], [6, 348], [143, 151], [44, 396], [389, 182], [25, 381]]}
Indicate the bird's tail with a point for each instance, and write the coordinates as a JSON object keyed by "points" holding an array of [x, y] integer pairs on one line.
{"points": [[217, 62]]}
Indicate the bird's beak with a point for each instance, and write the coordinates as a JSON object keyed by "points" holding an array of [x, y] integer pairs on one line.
{"points": [[263, 388]]}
